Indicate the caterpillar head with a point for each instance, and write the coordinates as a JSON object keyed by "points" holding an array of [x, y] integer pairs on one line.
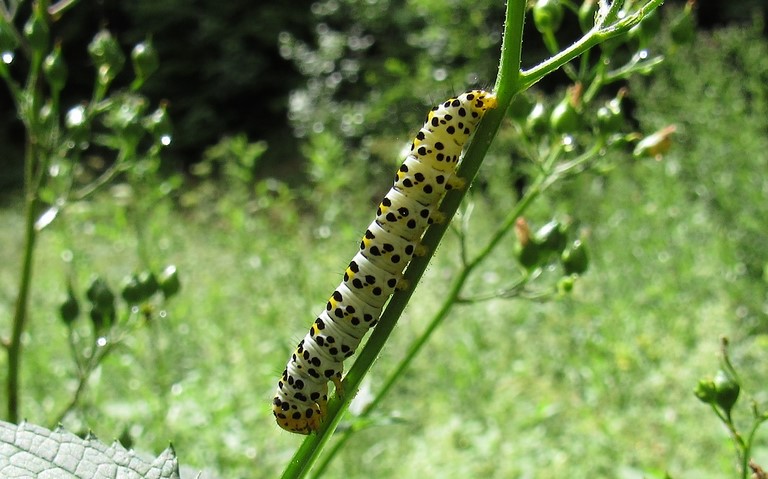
{"points": [[289, 416], [447, 128], [299, 405]]}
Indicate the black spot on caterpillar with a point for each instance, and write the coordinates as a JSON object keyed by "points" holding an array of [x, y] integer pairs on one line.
{"points": [[386, 248]]}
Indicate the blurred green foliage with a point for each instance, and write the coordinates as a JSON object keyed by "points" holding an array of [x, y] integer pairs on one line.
{"points": [[719, 103]]}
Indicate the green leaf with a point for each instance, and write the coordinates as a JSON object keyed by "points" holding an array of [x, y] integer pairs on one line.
{"points": [[27, 450]]}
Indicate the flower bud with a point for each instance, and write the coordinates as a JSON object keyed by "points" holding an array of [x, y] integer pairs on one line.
{"points": [[552, 237], [144, 59], [36, 30], [158, 123], [586, 14], [575, 259], [565, 117], [130, 290], [705, 391], [55, 69], [536, 122], [101, 297], [106, 56], [70, 308], [147, 284], [726, 390], [655, 145], [565, 284], [527, 250], [124, 116], [169, 281], [547, 15], [76, 122]]}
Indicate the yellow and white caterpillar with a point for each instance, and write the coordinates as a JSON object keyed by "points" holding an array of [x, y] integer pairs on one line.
{"points": [[386, 248]]}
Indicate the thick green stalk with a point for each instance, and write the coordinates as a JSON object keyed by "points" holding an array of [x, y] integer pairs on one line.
{"points": [[506, 88]]}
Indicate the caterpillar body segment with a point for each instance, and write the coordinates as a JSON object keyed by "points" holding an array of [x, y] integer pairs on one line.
{"points": [[369, 282], [389, 251], [403, 216], [386, 248], [345, 309]]}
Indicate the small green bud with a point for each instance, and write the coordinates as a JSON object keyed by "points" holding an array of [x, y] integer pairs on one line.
{"points": [[536, 123], [70, 308], [131, 292], [55, 69], [46, 115], [575, 259], [106, 56], [158, 123], [101, 297], [527, 251], [529, 255], [552, 237], [76, 122], [565, 284], [564, 118], [36, 30], [547, 15], [586, 14], [726, 391], [144, 59], [147, 284], [705, 391], [125, 114], [656, 144], [169, 281]]}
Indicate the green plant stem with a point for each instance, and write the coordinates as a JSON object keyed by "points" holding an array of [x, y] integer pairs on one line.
{"points": [[106, 176], [84, 371], [748, 447], [25, 281], [597, 35], [34, 175]]}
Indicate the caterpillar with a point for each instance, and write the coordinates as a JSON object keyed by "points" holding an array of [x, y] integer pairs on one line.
{"points": [[386, 248]]}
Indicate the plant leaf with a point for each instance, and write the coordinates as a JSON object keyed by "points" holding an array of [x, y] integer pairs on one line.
{"points": [[27, 450]]}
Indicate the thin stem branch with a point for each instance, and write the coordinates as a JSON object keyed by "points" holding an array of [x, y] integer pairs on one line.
{"points": [[22, 300], [597, 35]]}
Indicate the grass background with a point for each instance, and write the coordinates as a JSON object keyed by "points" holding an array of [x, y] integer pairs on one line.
{"points": [[596, 385]]}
